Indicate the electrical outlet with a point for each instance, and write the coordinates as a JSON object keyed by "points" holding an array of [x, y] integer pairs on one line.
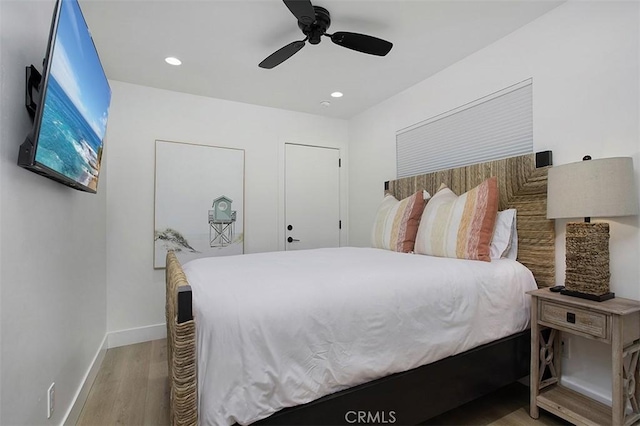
{"points": [[51, 399], [565, 344]]}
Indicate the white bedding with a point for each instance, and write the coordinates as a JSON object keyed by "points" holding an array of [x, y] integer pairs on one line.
{"points": [[284, 328]]}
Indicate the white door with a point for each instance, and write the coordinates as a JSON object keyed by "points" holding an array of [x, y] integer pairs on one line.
{"points": [[312, 197]]}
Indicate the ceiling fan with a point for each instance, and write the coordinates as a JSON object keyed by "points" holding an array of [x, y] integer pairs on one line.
{"points": [[314, 21]]}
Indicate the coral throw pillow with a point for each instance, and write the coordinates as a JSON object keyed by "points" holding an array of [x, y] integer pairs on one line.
{"points": [[397, 222], [459, 226]]}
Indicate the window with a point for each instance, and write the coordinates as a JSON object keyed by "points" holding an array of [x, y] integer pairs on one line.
{"points": [[496, 126]]}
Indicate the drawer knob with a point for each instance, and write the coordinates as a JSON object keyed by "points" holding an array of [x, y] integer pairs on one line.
{"points": [[571, 317]]}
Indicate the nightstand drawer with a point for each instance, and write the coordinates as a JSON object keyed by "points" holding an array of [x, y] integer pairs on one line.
{"points": [[591, 323]]}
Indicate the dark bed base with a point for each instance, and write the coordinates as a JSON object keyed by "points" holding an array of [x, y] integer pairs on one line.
{"points": [[417, 395]]}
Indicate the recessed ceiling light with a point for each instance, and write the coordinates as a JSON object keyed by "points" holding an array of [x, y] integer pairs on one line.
{"points": [[336, 94], [325, 104], [173, 61]]}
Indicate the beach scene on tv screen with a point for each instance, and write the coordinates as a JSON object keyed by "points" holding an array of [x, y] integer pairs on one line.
{"points": [[76, 104]]}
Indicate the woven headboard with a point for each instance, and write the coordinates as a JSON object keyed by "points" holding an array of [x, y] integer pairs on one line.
{"points": [[522, 186]]}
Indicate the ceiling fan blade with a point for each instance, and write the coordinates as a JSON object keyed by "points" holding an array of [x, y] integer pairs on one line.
{"points": [[302, 10], [362, 43], [282, 54]]}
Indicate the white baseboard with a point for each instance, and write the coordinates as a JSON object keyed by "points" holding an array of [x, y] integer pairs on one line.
{"points": [[584, 388], [71, 418], [136, 335], [578, 386], [113, 339]]}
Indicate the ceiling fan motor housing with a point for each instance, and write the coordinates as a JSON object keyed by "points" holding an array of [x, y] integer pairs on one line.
{"points": [[317, 29], [314, 21]]}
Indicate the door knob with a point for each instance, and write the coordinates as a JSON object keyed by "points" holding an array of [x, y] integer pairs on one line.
{"points": [[291, 239]]}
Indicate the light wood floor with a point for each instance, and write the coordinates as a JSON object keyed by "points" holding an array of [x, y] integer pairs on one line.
{"points": [[132, 389]]}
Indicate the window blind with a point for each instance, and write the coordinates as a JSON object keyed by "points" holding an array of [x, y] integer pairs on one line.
{"points": [[496, 126]]}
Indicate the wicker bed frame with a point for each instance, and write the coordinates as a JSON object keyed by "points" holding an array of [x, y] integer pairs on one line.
{"points": [[424, 392]]}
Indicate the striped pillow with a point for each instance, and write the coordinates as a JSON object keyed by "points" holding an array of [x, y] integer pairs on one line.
{"points": [[396, 223], [459, 227]]}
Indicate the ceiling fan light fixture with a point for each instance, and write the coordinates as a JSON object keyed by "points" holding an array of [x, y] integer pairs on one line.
{"points": [[337, 94], [173, 61]]}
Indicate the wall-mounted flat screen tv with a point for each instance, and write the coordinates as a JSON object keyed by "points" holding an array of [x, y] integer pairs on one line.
{"points": [[70, 118]]}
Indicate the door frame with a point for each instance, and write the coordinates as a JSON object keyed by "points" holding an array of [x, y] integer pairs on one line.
{"points": [[342, 187]]}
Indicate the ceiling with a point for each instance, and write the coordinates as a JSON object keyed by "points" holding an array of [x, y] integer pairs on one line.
{"points": [[221, 43]]}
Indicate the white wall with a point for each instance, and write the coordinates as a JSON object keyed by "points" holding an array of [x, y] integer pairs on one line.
{"points": [[583, 58], [53, 259], [66, 255], [140, 115]]}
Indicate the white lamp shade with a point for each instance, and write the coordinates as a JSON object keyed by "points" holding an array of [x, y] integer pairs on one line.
{"points": [[592, 188]]}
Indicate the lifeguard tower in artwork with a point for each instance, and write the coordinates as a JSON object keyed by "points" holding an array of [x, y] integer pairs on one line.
{"points": [[221, 222]]}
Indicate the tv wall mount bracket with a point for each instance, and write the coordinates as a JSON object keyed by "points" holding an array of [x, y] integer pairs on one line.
{"points": [[33, 78]]}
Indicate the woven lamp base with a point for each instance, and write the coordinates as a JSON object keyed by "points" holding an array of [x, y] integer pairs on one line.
{"points": [[587, 258]]}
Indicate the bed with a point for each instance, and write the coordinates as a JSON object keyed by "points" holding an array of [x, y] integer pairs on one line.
{"points": [[402, 382]]}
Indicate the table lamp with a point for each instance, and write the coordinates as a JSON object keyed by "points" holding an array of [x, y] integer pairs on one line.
{"points": [[590, 188]]}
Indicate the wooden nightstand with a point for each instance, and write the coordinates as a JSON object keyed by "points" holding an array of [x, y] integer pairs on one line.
{"points": [[615, 322]]}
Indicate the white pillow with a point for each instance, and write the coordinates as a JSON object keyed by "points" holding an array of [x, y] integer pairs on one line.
{"points": [[504, 242]]}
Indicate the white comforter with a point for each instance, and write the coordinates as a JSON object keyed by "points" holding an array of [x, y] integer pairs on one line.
{"points": [[284, 328]]}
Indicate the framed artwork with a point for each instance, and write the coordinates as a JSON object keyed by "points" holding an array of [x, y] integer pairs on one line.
{"points": [[199, 201]]}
